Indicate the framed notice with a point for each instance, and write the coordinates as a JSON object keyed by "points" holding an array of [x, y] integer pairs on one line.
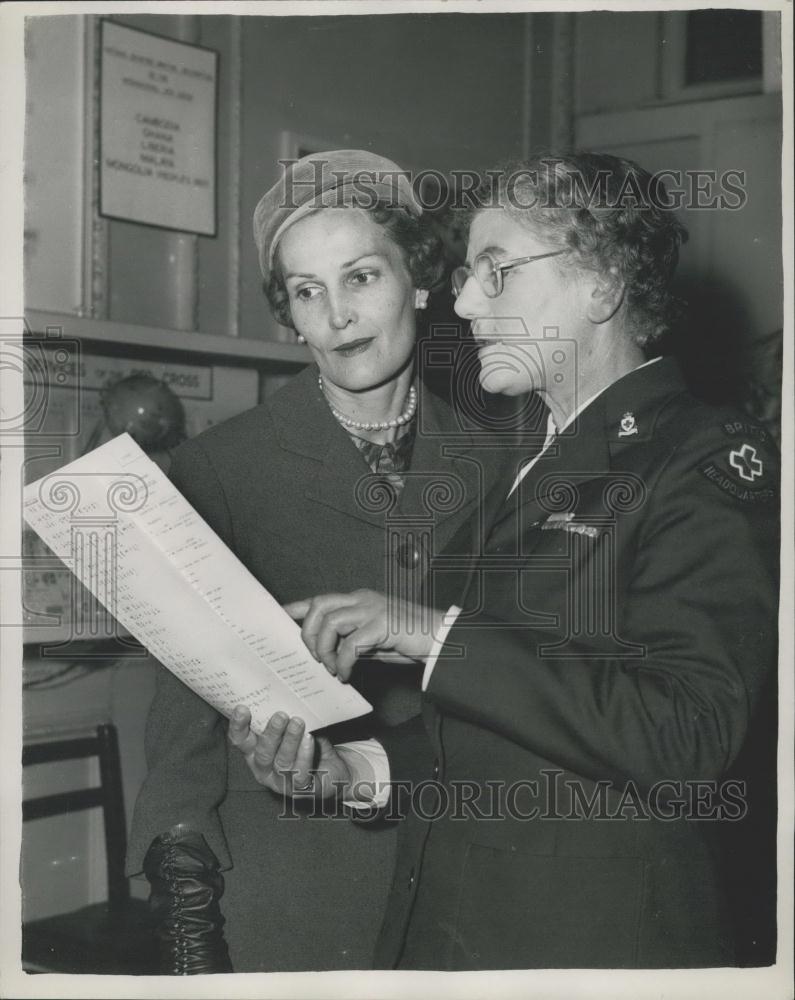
{"points": [[158, 101]]}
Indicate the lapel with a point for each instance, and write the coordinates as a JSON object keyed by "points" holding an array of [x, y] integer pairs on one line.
{"points": [[623, 415], [304, 426], [442, 483]]}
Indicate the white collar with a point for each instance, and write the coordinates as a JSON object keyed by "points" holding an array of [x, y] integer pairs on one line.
{"points": [[552, 430], [579, 409]]}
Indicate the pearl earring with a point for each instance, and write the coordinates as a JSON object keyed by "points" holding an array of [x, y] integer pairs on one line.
{"points": [[301, 339]]}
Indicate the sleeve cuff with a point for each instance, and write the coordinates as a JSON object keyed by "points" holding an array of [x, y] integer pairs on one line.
{"points": [[370, 765], [439, 640]]}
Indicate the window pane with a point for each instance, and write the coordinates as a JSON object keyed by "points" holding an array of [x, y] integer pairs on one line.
{"points": [[723, 45]]}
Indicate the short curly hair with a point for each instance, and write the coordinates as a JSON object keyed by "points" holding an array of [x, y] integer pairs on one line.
{"points": [[610, 213], [421, 248]]}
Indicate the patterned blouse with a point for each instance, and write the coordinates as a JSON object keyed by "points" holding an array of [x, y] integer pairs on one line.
{"points": [[389, 460]]}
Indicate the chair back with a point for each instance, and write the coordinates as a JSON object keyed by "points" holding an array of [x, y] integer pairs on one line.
{"points": [[107, 795]]}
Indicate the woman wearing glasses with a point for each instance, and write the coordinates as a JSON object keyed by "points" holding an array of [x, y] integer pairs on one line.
{"points": [[586, 694]]}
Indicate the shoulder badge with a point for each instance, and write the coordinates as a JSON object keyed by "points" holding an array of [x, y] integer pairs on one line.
{"points": [[745, 468], [747, 462]]}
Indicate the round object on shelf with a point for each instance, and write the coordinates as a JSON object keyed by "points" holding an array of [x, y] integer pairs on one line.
{"points": [[146, 409]]}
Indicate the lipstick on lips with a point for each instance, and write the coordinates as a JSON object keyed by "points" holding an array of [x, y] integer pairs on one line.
{"points": [[354, 347]]}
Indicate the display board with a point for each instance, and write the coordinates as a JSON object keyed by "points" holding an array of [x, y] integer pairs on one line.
{"points": [[158, 102]]}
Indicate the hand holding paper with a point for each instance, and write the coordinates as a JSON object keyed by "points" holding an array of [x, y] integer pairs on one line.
{"points": [[282, 758]]}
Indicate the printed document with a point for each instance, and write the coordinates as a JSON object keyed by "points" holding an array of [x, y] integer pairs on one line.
{"points": [[114, 518]]}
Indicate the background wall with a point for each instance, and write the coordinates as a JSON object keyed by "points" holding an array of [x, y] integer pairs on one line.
{"points": [[416, 88], [433, 91], [420, 89], [632, 97]]}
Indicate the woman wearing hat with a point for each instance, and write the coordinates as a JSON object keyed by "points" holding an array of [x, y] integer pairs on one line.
{"points": [[327, 486]]}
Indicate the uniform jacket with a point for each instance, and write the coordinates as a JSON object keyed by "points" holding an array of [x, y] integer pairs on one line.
{"points": [[617, 631], [289, 493]]}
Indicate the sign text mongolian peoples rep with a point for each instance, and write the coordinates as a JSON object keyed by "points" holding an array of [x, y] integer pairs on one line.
{"points": [[158, 130]]}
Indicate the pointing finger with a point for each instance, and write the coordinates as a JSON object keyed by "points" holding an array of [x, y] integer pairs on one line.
{"points": [[297, 609], [370, 636], [335, 625], [314, 618]]}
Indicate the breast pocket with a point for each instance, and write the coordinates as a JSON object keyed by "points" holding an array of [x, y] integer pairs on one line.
{"points": [[520, 911]]}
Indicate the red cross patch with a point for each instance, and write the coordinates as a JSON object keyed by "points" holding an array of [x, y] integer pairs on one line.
{"points": [[746, 462]]}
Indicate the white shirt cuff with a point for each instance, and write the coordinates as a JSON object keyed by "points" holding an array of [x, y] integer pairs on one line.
{"points": [[370, 774], [439, 640]]}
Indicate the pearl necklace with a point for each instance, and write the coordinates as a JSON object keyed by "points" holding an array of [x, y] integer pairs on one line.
{"points": [[384, 425]]}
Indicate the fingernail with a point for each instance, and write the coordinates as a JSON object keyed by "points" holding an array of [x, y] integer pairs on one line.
{"points": [[238, 713]]}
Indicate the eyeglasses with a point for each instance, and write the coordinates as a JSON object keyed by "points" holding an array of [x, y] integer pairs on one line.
{"points": [[488, 272]]}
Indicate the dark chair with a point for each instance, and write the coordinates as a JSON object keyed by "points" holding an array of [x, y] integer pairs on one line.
{"points": [[107, 938]]}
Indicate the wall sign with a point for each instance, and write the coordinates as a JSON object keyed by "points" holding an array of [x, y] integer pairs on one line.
{"points": [[158, 101]]}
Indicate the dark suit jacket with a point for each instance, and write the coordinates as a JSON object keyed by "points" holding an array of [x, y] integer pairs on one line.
{"points": [[616, 634], [289, 493]]}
